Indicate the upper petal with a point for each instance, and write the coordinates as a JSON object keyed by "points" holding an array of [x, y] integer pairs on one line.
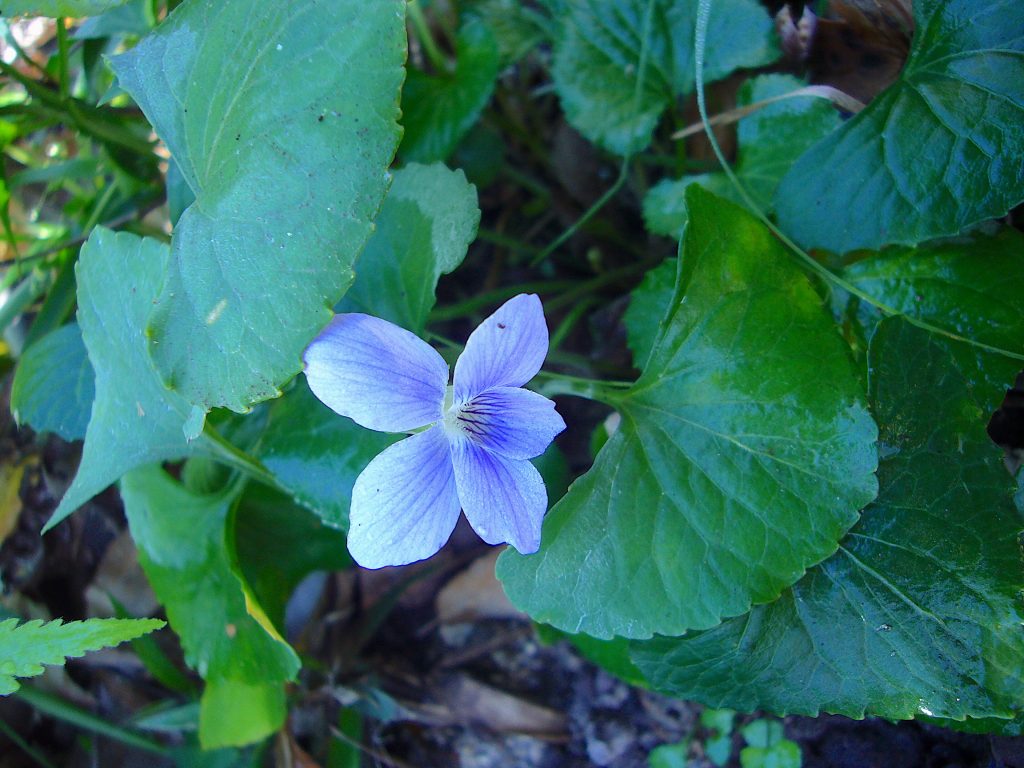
{"points": [[503, 499], [506, 350], [404, 504], [513, 422], [379, 375]]}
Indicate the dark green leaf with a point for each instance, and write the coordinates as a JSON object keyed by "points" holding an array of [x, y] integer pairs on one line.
{"points": [[723, 483], [934, 154], [317, 454], [54, 385], [282, 119], [427, 222], [439, 109], [135, 419], [972, 288], [601, 43], [279, 544], [919, 612]]}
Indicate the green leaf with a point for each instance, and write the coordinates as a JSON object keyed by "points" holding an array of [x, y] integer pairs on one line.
{"points": [[55, 8], [648, 310], [25, 648], [670, 756], [282, 119], [317, 454], [774, 137], [664, 205], [972, 288], [723, 483], [438, 110], [770, 141], [517, 29], [186, 548], [428, 220], [601, 43], [135, 419], [233, 712], [934, 154], [278, 544], [54, 385], [919, 612]]}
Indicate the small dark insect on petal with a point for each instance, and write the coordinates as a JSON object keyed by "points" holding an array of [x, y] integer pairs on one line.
{"points": [[501, 326]]}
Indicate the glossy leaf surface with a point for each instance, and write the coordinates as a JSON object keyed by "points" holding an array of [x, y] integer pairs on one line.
{"points": [[919, 612], [972, 288], [936, 152], [723, 484]]}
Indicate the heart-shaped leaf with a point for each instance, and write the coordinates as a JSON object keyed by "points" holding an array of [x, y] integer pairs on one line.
{"points": [[734, 469]]}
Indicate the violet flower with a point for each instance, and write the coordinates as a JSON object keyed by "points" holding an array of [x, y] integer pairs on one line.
{"points": [[471, 442]]}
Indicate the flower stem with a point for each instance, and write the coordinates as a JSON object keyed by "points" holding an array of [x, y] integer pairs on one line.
{"points": [[607, 392]]}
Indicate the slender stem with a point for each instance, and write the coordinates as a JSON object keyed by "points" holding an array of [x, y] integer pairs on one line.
{"points": [[842, 100], [69, 713], [233, 456], [587, 215], [64, 78], [607, 392], [419, 22], [569, 322]]}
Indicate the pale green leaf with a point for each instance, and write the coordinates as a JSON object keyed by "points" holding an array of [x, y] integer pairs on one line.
{"points": [[428, 220], [54, 385], [919, 612], [25, 648], [934, 154], [135, 419], [236, 712], [600, 45], [734, 469], [282, 117]]}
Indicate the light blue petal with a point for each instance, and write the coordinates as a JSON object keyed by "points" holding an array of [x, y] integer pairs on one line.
{"points": [[379, 375], [404, 504], [512, 422], [503, 499], [506, 350]]}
